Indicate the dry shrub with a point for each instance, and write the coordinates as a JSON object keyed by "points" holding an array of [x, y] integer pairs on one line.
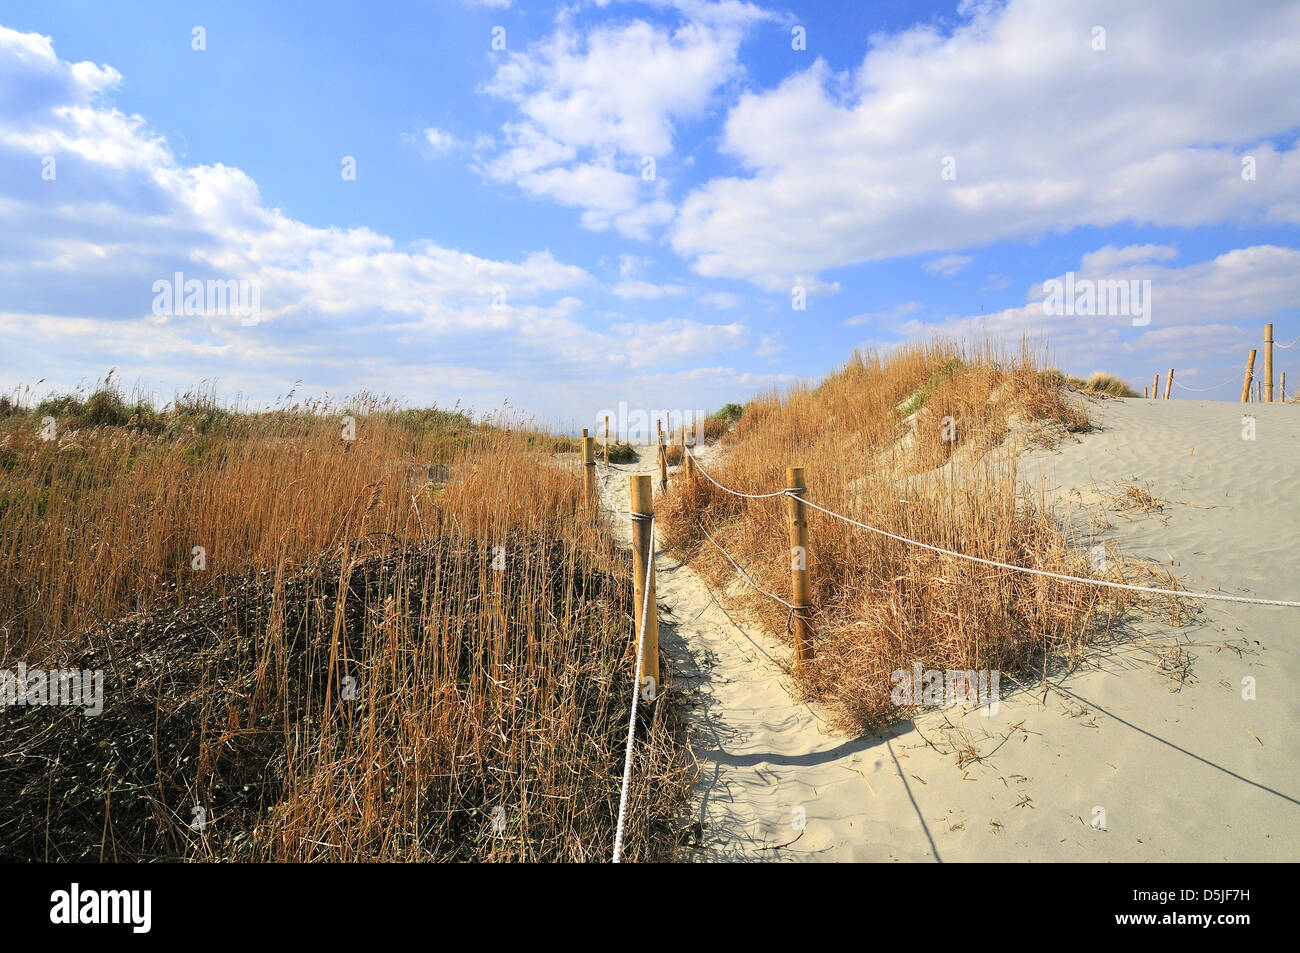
{"points": [[871, 438], [479, 678], [714, 428]]}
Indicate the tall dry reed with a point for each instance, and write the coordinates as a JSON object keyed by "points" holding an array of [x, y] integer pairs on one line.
{"points": [[904, 442], [407, 645]]}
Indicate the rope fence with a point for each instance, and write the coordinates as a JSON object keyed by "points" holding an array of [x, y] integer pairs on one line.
{"points": [[1260, 392], [641, 518], [1219, 596], [636, 693]]}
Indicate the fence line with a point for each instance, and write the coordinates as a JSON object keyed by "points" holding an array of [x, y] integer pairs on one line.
{"points": [[636, 692], [1221, 597], [800, 495], [750, 496], [604, 492], [1199, 390], [733, 562]]}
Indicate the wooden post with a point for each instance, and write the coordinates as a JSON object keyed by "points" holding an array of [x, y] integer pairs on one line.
{"points": [[1268, 363], [607, 440], [1250, 372], [1169, 383], [1155, 387], [589, 470], [1283, 387], [1259, 393], [642, 517], [1146, 391], [690, 461], [800, 596], [663, 459]]}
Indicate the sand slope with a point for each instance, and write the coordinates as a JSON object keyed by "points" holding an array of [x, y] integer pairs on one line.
{"points": [[1153, 730]]}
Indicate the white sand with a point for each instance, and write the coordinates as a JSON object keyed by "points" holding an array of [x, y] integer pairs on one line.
{"points": [[1185, 769]]}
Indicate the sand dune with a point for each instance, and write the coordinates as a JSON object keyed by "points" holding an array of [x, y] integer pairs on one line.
{"points": [[1147, 751]]}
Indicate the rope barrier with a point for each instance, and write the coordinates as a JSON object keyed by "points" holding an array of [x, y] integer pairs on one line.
{"points": [[751, 496], [609, 501], [1222, 597], [636, 692], [790, 606], [645, 606], [1214, 596], [1200, 390], [1292, 344]]}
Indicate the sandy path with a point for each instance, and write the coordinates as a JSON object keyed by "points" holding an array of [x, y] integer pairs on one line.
{"points": [[1174, 766], [761, 754]]}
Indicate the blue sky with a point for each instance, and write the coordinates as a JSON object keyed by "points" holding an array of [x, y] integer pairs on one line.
{"points": [[917, 167]]}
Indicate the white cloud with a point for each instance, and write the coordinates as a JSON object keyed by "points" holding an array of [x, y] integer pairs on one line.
{"points": [[769, 345], [886, 317], [439, 141], [847, 168], [341, 308], [948, 265], [596, 109], [676, 340], [1205, 316], [1112, 257], [646, 290], [721, 299]]}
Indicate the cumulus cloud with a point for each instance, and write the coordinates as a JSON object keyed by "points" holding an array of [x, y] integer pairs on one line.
{"points": [[1008, 127], [341, 307], [598, 111], [1112, 257], [1204, 315]]}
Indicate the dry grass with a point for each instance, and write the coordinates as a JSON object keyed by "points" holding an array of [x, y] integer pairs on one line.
{"points": [[358, 674], [871, 438], [1100, 383]]}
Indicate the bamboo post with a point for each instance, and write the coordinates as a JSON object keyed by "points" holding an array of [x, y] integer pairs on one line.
{"points": [[642, 520], [1146, 391], [607, 440], [1250, 372], [1155, 387], [1268, 363], [589, 470], [1169, 383], [800, 596]]}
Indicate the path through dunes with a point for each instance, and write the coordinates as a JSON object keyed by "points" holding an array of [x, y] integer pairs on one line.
{"points": [[762, 755], [1171, 761]]}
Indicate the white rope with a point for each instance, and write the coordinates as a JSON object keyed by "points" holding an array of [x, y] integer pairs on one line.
{"points": [[600, 485], [788, 605], [1292, 344], [636, 692], [1222, 597], [1201, 390], [751, 496]]}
